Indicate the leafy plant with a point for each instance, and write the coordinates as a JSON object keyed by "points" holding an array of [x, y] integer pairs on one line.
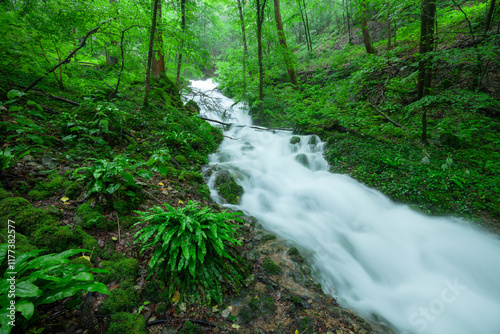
{"points": [[112, 177], [9, 158], [193, 250], [41, 279]]}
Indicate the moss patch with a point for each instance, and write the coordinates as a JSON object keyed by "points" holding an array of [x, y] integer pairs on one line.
{"points": [[73, 191], [227, 187], [57, 238], [119, 270], [271, 268], [122, 299], [92, 218], [257, 307], [124, 323], [26, 217], [22, 243]]}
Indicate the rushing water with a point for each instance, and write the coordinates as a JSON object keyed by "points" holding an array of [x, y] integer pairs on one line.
{"points": [[417, 273]]}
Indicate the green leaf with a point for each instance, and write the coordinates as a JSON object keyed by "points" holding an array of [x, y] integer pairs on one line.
{"points": [[14, 93], [112, 188], [128, 177], [26, 308], [27, 289], [147, 174]]}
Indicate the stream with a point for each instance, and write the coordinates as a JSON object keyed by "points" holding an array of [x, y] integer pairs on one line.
{"points": [[392, 265]]}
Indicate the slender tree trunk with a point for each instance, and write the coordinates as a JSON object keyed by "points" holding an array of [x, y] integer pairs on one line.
{"points": [[389, 37], [364, 29], [281, 36], [110, 59], [158, 58], [183, 27], [348, 19], [307, 30], [260, 21], [488, 17], [336, 17], [424, 84], [150, 53], [304, 24], [245, 48]]}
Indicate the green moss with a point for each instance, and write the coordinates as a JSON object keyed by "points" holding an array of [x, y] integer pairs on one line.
{"points": [[293, 251], [121, 299], [295, 140], [227, 187], [73, 191], [120, 270], [197, 143], [254, 304], [126, 323], [304, 324], [195, 177], [192, 107], [22, 243], [190, 328], [92, 218], [271, 268], [4, 194], [181, 159], [267, 305], [56, 238], [39, 195], [268, 237], [128, 221], [27, 219], [257, 307]]}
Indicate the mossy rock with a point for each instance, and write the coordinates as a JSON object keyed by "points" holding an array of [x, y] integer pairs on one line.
{"points": [[181, 159], [73, 191], [39, 195], [92, 218], [119, 270], [197, 143], [50, 187], [194, 177], [126, 323], [271, 268], [293, 251], [302, 159], [57, 238], [257, 307], [26, 218], [22, 243], [121, 299], [192, 107], [227, 187], [4, 194], [295, 140]]}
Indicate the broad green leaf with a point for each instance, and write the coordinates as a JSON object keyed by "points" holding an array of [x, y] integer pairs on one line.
{"points": [[26, 308], [27, 289]]}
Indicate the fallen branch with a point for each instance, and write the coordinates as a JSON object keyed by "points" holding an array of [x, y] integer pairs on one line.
{"points": [[65, 61], [387, 117], [242, 126], [54, 97]]}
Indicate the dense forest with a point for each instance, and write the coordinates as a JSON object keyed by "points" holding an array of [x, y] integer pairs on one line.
{"points": [[107, 223]]}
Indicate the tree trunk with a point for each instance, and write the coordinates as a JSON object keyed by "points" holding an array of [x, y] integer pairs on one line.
{"points": [[281, 36], [158, 58], [183, 27], [260, 20], [389, 37], [150, 53], [307, 31], [364, 29], [424, 83], [304, 24], [488, 17], [110, 59], [336, 17], [245, 48]]}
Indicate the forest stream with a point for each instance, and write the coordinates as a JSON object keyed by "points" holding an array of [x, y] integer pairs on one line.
{"points": [[415, 273]]}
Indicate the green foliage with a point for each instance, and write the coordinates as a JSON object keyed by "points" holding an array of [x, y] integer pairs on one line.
{"points": [[194, 250], [41, 279], [123, 322], [119, 270], [90, 217], [9, 158], [122, 299]]}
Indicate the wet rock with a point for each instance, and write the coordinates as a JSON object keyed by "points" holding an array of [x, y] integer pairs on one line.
{"points": [[146, 313], [227, 187], [48, 161], [227, 312], [295, 140], [253, 256], [247, 147], [302, 159], [272, 268], [249, 280]]}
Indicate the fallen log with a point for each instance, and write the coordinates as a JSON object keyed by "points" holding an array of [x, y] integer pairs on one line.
{"points": [[243, 125]]}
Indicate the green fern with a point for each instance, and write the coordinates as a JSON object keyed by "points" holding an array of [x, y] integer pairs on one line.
{"points": [[193, 250]]}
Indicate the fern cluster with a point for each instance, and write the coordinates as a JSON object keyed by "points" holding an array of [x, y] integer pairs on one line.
{"points": [[194, 250]]}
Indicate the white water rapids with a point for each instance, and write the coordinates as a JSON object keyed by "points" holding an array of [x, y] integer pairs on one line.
{"points": [[418, 274]]}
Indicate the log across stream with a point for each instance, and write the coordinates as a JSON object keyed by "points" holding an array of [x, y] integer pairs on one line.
{"points": [[416, 273]]}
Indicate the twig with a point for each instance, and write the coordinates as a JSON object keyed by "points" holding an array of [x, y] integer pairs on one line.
{"points": [[118, 222], [152, 196], [210, 169], [387, 117]]}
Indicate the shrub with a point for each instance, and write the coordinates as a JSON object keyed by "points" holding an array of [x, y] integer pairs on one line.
{"points": [[193, 250]]}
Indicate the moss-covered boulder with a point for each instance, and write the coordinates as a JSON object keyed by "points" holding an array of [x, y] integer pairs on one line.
{"points": [[122, 299], [165, 90], [126, 323], [119, 270], [4, 193], [57, 238], [26, 218], [89, 217], [295, 140], [192, 107], [271, 268], [227, 187], [50, 187]]}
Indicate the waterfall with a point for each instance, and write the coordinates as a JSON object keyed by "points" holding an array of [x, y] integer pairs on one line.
{"points": [[416, 273]]}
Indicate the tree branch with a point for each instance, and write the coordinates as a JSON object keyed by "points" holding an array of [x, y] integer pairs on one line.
{"points": [[65, 61]]}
